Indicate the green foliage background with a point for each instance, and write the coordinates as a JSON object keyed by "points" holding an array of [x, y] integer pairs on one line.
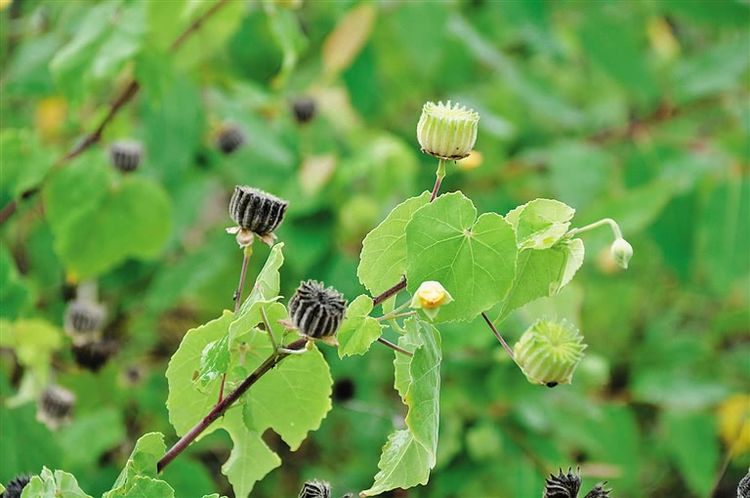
{"points": [[636, 110]]}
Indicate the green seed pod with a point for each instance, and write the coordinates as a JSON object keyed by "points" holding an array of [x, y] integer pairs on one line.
{"points": [[230, 138], [622, 251], [315, 310], [562, 485], [447, 131], [126, 155], [255, 210], [548, 352], [315, 489], [15, 486]]}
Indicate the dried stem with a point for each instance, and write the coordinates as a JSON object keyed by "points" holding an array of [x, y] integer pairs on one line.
{"points": [[125, 96], [394, 347], [380, 298], [221, 407], [499, 337]]}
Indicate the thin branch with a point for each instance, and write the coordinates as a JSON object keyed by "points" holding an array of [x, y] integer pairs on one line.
{"points": [[394, 347], [125, 96], [389, 292], [243, 273], [221, 407], [499, 337]]}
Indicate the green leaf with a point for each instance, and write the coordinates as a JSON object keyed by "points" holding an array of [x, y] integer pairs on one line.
{"points": [[110, 222], [358, 330], [383, 258], [25, 162], [138, 478], [14, 294], [214, 360], [267, 283], [691, 439], [539, 224], [410, 454], [25, 443], [542, 273], [473, 258], [57, 485]]}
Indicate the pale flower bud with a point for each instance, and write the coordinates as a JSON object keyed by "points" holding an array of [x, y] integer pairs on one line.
{"points": [[447, 131], [429, 297], [622, 251]]}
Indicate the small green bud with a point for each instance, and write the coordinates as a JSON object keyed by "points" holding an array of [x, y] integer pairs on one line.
{"points": [[548, 352], [447, 131], [621, 251], [429, 297]]}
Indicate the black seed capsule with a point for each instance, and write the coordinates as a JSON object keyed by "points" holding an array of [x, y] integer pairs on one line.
{"points": [[56, 403], [15, 486], [255, 210], [343, 390], [93, 355], [562, 485], [126, 155], [304, 109], [743, 489], [598, 492], [230, 139], [83, 317], [315, 310], [315, 489]]}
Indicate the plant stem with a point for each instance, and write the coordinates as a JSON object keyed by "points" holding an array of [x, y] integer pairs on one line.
{"points": [[499, 337], [394, 347], [606, 221], [221, 407], [125, 96], [383, 296], [439, 175], [246, 253], [391, 316]]}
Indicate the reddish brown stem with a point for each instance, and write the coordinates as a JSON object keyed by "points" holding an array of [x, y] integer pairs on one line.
{"points": [[221, 407], [436, 188], [498, 336], [394, 347], [389, 292]]}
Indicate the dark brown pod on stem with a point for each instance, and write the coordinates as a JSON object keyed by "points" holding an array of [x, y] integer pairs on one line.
{"points": [[304, 109], [83, 317], [126, 155], [256, 211], [562, 485], [315, 310], [230, 139], [93, 355], [55, 406], [15, 486], [315, 489]]}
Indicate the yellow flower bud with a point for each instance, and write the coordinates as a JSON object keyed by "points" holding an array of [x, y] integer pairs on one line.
{"points": [[429, 297], [447, 131]]}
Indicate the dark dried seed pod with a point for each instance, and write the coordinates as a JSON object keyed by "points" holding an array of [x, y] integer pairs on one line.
{"points": [[255, 210], [93, 355], [56, 403], [126, 155], [743, 488], [562, 485], [315, 489], [83, 317], [315, 310], [598, 492], [304, 109], [15, 486], [230, 139]]}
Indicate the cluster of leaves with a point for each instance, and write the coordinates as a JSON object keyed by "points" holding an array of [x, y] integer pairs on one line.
{"points": [[637, 112]]}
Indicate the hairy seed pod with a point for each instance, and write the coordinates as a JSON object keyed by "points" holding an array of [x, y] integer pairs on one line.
{"points": [[562, 485], [126, 155], [230, 138], [315, 310], [743, 488], [598, 492], [93, 355], [83, 317], [549, 352], [447, 131], [304, 109], [255, 210], [55, 406], [315, 489], [15, 486]]}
